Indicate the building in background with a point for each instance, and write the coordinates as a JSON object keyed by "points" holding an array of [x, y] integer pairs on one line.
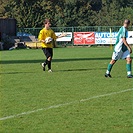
{"points": [[8, 26], [8, 29]]}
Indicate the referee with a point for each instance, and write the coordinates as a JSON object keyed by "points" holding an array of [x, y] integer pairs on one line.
{"points": [[48, 38]]}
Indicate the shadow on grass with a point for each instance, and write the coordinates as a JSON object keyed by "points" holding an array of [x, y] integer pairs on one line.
{"points": [[54, 60], [15, 72], [74, 70], [66, 70]]}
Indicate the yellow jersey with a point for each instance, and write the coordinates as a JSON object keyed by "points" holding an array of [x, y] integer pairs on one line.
{"points": [[44, 33]]}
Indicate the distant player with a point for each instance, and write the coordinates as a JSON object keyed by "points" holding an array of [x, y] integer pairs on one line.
{"points": [[121, 50], [48, 38]]}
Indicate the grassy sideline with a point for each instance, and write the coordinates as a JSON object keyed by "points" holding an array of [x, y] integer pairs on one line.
{"points": [[78, 73]]}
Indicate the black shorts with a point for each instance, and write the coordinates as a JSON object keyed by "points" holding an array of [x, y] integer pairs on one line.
{"points": [[48, 52]]}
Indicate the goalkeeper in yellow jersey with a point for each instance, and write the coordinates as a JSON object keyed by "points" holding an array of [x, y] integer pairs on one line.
{"points": [[48, 38]]}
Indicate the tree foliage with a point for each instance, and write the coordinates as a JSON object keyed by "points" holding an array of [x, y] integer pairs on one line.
{"points": [[31, 13]]}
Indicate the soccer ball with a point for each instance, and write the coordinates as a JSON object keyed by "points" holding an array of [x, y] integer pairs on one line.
{"points": [[48, 40]]}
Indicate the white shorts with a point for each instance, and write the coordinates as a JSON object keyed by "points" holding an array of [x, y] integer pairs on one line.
{"points": [[120, 55]]}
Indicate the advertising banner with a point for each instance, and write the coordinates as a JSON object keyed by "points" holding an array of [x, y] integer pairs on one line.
{"points": [[88, 38], [110, 38], [130, 37], [84, 38], [67, 38], [105, 37]]}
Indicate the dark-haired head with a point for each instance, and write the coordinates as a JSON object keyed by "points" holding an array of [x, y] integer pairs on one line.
{"points": [[47, 23]]}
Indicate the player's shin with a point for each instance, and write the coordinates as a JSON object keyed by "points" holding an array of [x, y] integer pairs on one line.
{"points": [[109, 68], [129, 69], [46, 62], [49, 65]]}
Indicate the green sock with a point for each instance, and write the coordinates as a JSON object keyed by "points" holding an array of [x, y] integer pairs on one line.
{"points": [[129, 69], [109, 68]]}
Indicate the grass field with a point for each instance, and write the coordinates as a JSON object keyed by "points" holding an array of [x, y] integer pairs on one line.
{"points": [[75, 98]]}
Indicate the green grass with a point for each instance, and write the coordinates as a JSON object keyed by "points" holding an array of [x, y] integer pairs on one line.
{"points": [[78, 74]]}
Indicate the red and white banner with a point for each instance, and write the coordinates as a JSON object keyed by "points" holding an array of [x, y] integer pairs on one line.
{"points": [[84, 38]]}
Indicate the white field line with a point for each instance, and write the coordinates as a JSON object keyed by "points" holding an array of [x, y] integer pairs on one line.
{"points": [[65, 104]]}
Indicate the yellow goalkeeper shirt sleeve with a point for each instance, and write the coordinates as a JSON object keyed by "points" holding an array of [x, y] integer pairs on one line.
{"points": [[44, 33]]}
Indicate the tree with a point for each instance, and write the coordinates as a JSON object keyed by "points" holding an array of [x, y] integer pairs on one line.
{"points": [[31, 13]]}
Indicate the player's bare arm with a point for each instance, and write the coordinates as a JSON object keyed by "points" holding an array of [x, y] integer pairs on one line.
{"points": [[42, 41], [47, 40], [128, 46]]}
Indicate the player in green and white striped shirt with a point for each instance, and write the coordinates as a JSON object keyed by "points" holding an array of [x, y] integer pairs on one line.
{"points": [[121, 50]]}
